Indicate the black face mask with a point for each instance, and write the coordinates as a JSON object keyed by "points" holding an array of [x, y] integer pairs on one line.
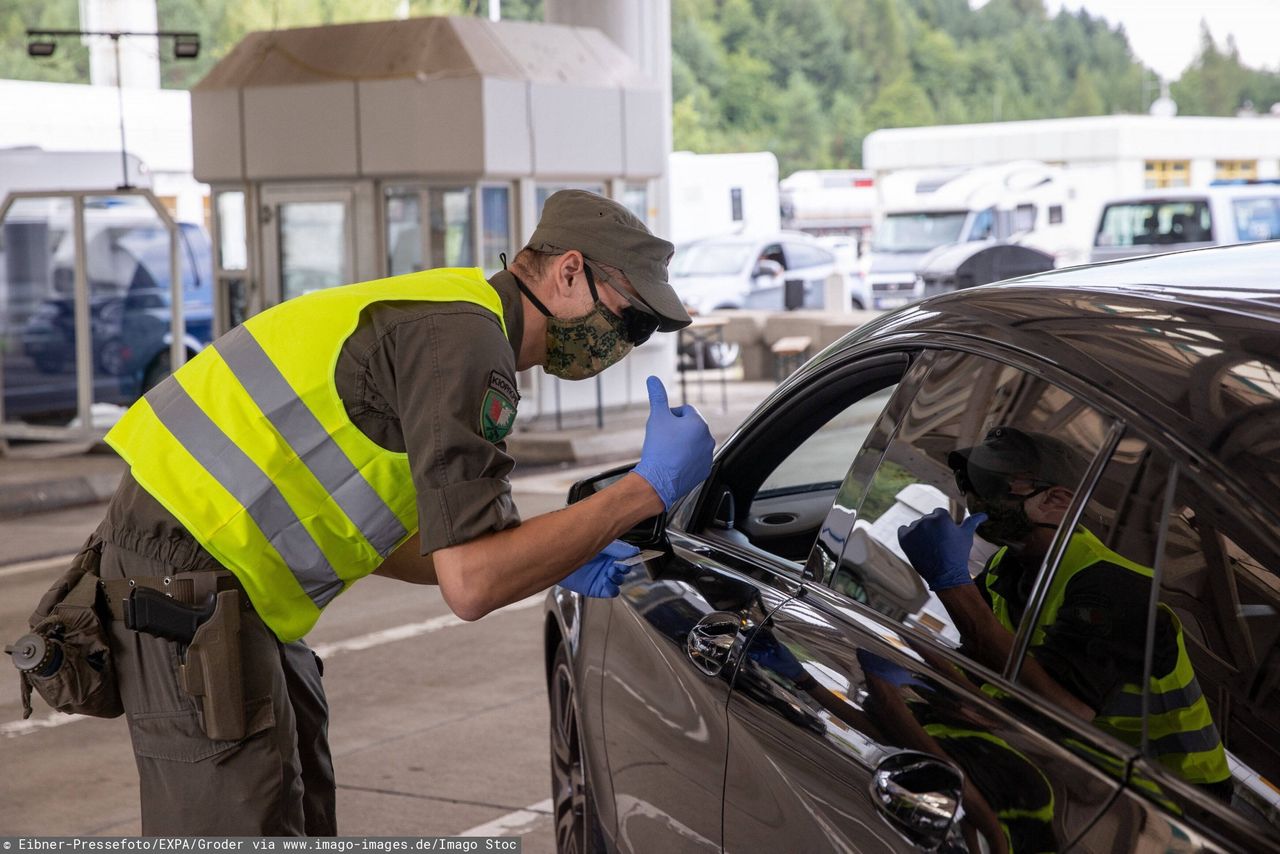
{"points": [[1007, 522]]}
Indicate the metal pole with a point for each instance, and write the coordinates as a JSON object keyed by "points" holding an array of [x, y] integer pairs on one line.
{"points": [[599, 404], [83, 328], [124, 157], [495, 10]]}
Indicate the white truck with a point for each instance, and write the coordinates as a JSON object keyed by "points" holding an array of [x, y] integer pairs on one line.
{"points": [[717, 195], [1024, 202]]}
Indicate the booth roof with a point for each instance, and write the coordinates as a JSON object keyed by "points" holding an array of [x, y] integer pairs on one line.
{"points": [[426, 49]]}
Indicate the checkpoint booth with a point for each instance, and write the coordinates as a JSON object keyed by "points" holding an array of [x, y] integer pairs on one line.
{"points": [[101, 293], [345, 153]]}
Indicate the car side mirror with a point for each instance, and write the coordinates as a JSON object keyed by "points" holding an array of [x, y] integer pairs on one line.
{"points": [[651, 533], [767, 268]]}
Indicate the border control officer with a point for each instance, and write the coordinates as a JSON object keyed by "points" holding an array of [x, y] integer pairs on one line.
{"points": [[352, 431]]}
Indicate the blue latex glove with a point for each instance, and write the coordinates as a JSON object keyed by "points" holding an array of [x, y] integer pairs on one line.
{"points": [[600, 576], [939, 549], [677, 447], [874, 665]]}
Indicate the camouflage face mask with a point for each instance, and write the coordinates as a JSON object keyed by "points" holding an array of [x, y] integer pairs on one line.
{"points": [[581, 347]]}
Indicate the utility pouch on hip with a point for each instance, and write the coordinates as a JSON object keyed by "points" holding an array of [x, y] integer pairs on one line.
{"points": [[65, 658], [211, 670]]}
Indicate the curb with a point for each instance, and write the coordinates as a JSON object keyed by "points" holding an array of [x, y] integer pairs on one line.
{"points": [[26, 499]]}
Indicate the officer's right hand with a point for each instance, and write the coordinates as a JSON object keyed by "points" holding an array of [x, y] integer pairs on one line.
{"points": [[677, 447], [939, 549]]}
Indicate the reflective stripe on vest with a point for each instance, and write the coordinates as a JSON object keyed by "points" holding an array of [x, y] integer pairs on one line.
{"points": [[1180, 728], [250, 447]]}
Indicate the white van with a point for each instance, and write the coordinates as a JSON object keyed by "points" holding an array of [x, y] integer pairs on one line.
{"points": [[1183, 218]]}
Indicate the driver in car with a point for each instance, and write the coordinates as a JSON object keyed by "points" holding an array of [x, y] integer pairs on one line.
{"points": [[1087, 647]]}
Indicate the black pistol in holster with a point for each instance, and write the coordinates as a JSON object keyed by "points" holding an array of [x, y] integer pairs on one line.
{"points": [[210, 667]]}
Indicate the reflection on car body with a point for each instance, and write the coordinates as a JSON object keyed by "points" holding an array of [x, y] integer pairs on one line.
{"points": [[847, 700]]}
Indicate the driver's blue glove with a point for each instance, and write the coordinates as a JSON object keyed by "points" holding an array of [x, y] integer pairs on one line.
{"points": [[939, 549], [677, 447], [600, 576]]}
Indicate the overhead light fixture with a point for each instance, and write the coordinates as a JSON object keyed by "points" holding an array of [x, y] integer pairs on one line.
{"points": [[186, 46], [41, 48]]}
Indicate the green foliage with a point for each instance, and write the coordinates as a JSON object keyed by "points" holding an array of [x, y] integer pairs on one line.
{"points": [[807, 79], [746, 72]]}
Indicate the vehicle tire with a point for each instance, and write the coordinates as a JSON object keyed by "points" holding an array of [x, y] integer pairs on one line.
{"points": [[577, 826], [720, 354], [159, 369], [156, 371]]}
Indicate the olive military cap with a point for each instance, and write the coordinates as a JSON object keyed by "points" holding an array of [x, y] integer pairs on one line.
{"points": [[606, 232]]}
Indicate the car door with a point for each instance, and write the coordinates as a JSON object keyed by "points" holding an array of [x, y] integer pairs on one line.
{"points": [[679, 626], [863, 700]]}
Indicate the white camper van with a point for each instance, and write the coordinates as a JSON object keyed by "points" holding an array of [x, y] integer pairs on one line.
{"points": [[1024, 202]]}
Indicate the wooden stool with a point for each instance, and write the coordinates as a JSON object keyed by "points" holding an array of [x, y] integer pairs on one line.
{"points": [[789, 354]]}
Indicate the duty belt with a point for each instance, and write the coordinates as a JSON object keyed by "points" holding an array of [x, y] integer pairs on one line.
{"points": [[189, 588]]}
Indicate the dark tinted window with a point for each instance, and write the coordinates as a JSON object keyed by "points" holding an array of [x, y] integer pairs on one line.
{"points": [[1221, 585], [1223, 382], [961, 401]]}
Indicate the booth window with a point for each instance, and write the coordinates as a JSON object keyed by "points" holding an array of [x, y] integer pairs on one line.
{"points": [[544, 191], [1235, 170], [232, 254], [495, 219], [635, 197], [313, 247], [452, 235], [404, 233]]}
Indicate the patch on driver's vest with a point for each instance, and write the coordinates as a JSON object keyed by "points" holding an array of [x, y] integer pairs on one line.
{"points": [[498, 411]]}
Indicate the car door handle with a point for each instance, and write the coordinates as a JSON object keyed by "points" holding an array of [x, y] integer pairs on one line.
{"points": [[711, 642], [919, 795]]}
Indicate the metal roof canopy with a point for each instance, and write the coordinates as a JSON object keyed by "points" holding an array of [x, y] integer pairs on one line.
{"points": [[444, 96]]}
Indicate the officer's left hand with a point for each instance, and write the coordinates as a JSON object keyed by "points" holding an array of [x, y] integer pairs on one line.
{"points": [[600, 576], [939, 549]]}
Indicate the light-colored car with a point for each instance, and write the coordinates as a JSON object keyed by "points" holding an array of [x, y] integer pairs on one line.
{"points": [[752, 272], [1184, 218]]}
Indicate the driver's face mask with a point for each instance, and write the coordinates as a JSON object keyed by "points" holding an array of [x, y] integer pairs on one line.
{"points": [[581, 347]]}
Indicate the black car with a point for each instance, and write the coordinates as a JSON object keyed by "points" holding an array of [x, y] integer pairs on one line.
{"points": [[777, 675]]}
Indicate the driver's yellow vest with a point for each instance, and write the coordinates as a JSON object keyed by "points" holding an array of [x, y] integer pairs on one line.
{"points": [[250, 447], [1180, 729]]}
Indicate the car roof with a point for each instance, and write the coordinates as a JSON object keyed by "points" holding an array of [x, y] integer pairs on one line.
{"points": [[1191, 363], [1175, 194]]}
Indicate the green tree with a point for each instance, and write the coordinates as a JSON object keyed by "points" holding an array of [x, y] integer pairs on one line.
{"points": [[1084, 100]]}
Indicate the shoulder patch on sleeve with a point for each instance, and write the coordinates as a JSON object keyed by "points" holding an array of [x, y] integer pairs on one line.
{"points": [[498, 410]]}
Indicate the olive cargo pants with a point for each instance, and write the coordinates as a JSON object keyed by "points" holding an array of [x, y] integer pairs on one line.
{"points": [[277, 780]]}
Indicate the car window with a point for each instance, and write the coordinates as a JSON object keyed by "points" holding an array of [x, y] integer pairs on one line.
{"points": [[773, 252], [978, 436], [800, 255], [775, 485], [1160, 223], [1257, 219], [1215, 720]]}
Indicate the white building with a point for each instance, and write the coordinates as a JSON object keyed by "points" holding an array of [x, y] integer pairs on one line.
{"points": [[1104, 156]]}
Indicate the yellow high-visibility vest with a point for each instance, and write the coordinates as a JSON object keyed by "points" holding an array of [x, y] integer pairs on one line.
{"points": [[250, 447], [1180, 729]]}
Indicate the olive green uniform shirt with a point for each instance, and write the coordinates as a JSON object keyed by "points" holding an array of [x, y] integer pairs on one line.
{"points": [[414, 377]]}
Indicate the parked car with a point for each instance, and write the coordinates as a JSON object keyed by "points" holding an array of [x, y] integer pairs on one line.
{"points": [[775, 272], [129, 304], [1165, 220], [751, 272], [777, 676]]}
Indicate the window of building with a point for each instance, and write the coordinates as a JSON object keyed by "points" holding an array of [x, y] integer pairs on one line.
{"points": [[404, 232], [495, 218], [1235, 170], [635, 198], [1162, 174]]}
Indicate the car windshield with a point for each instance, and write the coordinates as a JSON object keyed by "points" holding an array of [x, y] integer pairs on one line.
{"points": [[1160, 223], [1257, 219], [918, 232], [710, 259]]}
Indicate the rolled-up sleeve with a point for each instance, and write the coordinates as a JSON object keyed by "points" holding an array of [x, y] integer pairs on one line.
{"points": [[446, 364]]}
